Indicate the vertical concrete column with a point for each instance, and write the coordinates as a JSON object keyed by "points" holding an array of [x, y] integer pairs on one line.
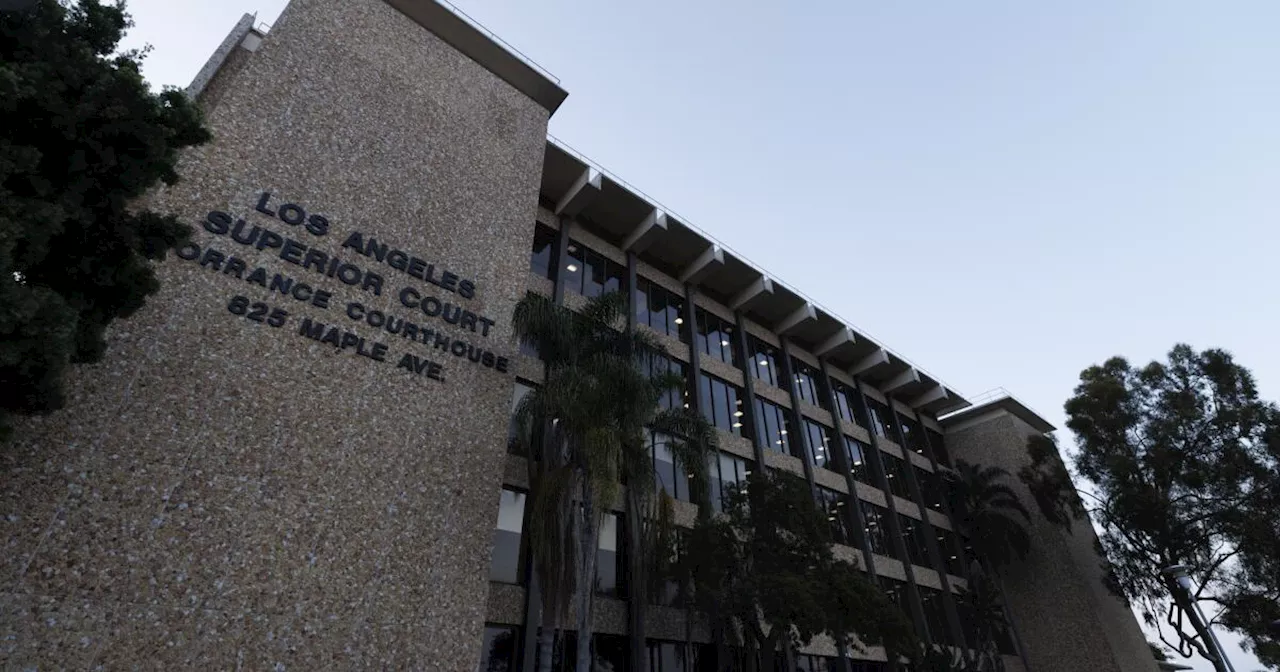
{"points": [[695, 359], [895, 530], [931, 541], [793, 392], [843, 463], [748, 387]]}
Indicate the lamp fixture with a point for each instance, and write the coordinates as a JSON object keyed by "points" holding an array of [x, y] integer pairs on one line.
{"points": [[573, 268]]}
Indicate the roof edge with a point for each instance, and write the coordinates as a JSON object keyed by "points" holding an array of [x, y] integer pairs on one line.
{"points": [[485, 49], [1006, 402]]}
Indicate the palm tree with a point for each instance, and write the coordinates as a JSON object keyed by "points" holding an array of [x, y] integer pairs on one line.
{"points": [[988, 512], [590, 417]]}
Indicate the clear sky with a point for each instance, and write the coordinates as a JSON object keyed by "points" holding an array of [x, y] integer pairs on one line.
{"points": [[1003, 191]]}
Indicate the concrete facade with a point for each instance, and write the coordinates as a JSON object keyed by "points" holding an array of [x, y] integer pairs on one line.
{"points": [[222, 493], [237, 487], [1063, 613]]}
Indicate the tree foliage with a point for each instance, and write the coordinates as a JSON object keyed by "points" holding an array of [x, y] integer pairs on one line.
{"points": [[988, 513], [766, 569], [584, 431], [1184, 461], [81, 137]]}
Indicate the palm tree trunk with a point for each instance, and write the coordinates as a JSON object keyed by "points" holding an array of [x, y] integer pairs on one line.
{"points": [[590, 529], [638, 583]]}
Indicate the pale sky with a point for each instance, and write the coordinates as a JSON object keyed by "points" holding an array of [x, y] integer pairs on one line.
{"points": [[1003, 191]]}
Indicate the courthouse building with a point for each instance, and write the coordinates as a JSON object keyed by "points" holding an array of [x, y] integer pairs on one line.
{"points": [[296, 456]]}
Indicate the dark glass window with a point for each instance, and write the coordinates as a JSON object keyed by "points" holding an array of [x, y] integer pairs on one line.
{"points": [[504, 567], [668, 475], [498, 650], [542, 258], [773, 426], [714, 336], [895, 470], [671, 657], [930, 488], [764, 361], [819, 438], [857, 453], [727, 474], [721, 404], [913, 537], [881, 419], [935, 614], [836, 506], [939, 447], [809, 383], [897, 592], [950, 552], [913, 434], [529, 348], [807, 663], [609, 570], [673, 398], [591, 274], [877, 530], [522, 389], [660, 309], [849, 404]]}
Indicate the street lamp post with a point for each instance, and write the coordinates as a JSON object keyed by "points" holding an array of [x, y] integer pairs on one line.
{"points": [[1178, 578]]}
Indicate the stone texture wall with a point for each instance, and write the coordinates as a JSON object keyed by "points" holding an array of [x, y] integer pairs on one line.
{"points": [[1066, 619], [221, 493]]}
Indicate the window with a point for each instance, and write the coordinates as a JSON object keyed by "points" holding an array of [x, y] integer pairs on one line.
{"points": [[773, 426], [807, 663], [522, 390], [913, 537], [764, 361], [836, 506], [591, 274], [913, 435], [930, 488], [939, 446], [672, 398], [727, 474], [660, 309], [935, 615], [668, 475], [498, 649], [529, 348], [671, 656], [895, 473], [857, 453], [849, 404], [808, 383], [504, 567], [541, 259], [881, 420], [819, 438], [950, 552], [714, 336], [721, 404], [897, 592], [876, 520], [609, 570]]}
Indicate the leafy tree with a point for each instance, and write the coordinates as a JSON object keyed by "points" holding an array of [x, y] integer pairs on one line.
{"points": [[988, 513], [766, 569], [1184, 462], [584, 430], [983, 613], [81, 137]]}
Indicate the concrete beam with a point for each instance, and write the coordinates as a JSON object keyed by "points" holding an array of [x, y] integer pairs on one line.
{"points": [[798, 317], [871, 361], [842, 336], [649, 230], [580, 194], [755, 290], [934, 395], [900, 381], [710, 261]]}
